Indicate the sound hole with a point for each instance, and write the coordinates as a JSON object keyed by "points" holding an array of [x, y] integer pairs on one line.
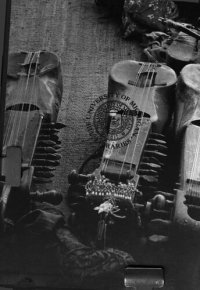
{"points": [[192, 199], [23, 107], [196, 123]]}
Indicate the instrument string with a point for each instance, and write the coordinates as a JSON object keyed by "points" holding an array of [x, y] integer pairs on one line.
{"points": [[10, 124], [20, 113], [194, 165], [13, 115], [146, 101], [106, 162], [33, 100], [143, 113]]}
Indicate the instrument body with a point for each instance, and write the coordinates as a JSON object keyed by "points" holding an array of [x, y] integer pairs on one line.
{"points": [[147, 90], [141, 94], [185, 213], [184, 49], [187, 123], [33, 97]]}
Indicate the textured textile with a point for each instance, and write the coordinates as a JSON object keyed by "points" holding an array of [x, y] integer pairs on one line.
{"points": [[142, 15], [42, 234], [88, 266], [155, 46], [176, 49]]}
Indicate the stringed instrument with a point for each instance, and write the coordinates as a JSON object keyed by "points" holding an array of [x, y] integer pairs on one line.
{"points": [[186, 217], [30, 141], [139, 109], [181, 225], [184, 48]]}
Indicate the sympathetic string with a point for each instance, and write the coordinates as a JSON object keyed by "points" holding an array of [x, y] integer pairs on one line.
{"points": [[145, 98], [17, 112], [106, 162], [34, 97]]}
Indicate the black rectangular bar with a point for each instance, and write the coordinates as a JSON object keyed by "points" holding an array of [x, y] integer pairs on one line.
{"points": [[5, 11]]}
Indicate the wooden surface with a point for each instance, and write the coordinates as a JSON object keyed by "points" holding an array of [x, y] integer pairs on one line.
{"points": [[88, 44]]}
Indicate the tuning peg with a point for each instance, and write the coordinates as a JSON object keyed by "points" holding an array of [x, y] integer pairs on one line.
{"points": [[58, 142], [157, 141], [157, 136], [148, 180], [147, 172], [156, 147], [168, 195], [44, 168], [44, 162], [149, 165], [52, 137], [48, 156], [46, 143], [57, 147], [57, 125], [44, 174], [157, 154], [50, 196], [153, 160], [45, 150], [41, 180], [48, 131]]}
